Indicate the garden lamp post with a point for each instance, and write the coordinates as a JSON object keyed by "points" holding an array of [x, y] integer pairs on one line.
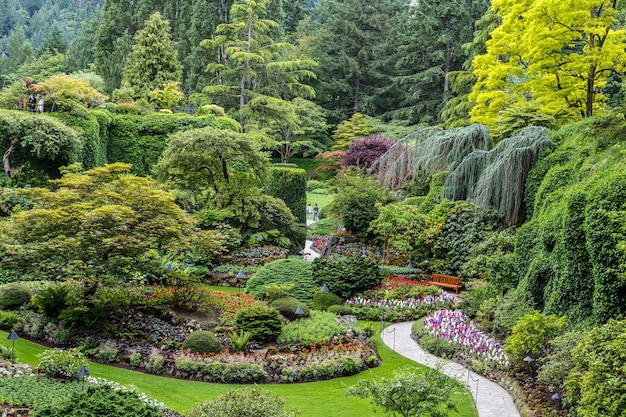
{"points": [[13, 337], [240, 276], [83, 373], [324, 288], [299, 312], [409, 268], [529, 361]]}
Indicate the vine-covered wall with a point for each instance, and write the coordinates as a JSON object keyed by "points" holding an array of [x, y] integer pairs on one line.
{"points": [[568, 257]]}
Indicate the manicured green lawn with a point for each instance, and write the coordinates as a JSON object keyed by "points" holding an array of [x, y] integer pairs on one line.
{"points": [[322, 200], [315, 399]]}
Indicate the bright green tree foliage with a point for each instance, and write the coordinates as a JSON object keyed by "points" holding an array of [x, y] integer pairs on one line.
{"points": [[356, 127], [205, 159], [410, 393], [96, 225], [556, 54], [153, 61]]}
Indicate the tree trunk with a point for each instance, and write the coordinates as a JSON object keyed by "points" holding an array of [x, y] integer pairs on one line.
{"points": [[446, 66], [5, 160], [590, 94]]}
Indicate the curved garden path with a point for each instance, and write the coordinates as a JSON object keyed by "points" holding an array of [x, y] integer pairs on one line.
{"points": [[309, 254], [491, 399]]}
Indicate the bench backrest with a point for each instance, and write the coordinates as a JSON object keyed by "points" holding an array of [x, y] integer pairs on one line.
{"points": [[446, 279]]}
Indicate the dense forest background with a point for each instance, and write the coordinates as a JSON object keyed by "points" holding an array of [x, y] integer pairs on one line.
{"points": [[375, 58]]}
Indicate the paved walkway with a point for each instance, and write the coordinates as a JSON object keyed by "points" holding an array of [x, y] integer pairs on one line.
{"points": [[491, 399], [309, 254]]}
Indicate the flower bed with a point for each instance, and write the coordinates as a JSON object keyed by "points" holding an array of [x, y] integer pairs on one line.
{"points": [[340, 357], [455, 328], [399, 309]]}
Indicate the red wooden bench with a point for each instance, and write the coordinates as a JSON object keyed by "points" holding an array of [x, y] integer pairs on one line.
{"points": [[446, 281]]}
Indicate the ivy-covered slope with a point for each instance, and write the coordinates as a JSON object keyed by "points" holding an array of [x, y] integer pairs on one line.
{"points": [[570, 253]]}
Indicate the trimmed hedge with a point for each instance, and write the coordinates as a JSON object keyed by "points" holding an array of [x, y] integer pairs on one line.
{"points": [[289, 184], [347, 277]]}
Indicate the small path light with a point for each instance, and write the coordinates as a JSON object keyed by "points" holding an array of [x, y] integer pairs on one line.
{"points": [[83, 373], [168, 267], [259, 238], [529, 361], [324, 288], [299, 313], [13, 337], [154, 338]]}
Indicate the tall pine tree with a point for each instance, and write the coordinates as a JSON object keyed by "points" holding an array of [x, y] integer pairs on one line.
{"points": [[352, 40], [253, 73], [153, 61]]}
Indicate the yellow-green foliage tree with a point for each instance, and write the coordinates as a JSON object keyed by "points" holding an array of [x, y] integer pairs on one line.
{"points": [[97, 225], [356, 127], [556, 55], [68, 93]]}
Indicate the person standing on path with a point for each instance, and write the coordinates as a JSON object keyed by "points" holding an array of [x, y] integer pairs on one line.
{"points": [[316, 213], [309, 210], [40, 105]]}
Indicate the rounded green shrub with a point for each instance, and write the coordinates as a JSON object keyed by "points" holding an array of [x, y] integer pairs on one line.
{"points": [[287, 306], [340, 310], [14, 295], [59, 363], [263, 323], [245, 402], [324, 299], [202, 341], [285, 271]]}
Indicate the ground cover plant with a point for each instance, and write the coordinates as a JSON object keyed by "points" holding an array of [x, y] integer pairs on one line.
{"points": [[21, 386]]}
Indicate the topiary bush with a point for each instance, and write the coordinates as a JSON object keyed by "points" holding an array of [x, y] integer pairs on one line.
{"points": [[287, 306], [285, 271], [289, 184], [202, 341], [349, 276], [14, 295], [263, 323], [324, 299], [59, 363]]}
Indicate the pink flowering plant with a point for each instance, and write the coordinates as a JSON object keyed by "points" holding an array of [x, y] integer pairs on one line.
{"points": [[400, 299], [458, 330]]}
